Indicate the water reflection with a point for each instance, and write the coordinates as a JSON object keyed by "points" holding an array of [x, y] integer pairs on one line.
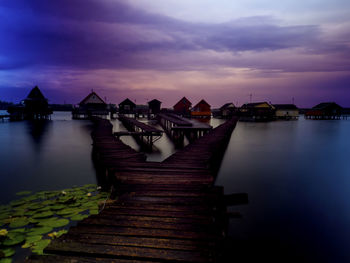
{"points": [[37, 131], [297, 178]]}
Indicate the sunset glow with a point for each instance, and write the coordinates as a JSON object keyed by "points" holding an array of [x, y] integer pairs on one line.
{"points": [[143, 49]]}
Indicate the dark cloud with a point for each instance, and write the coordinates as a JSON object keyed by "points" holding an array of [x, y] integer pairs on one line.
{"points": [[113, 34]]}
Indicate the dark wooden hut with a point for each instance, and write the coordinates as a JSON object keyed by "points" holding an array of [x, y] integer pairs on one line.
{"points": [[34, 107], [91, 105], [127, 107], [286, 111], [154, 106], [325, 111], [183, 107], [258, 111], [201, 109], [227, 110]]}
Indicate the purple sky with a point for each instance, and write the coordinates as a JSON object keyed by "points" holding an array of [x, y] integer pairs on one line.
{"points": [[221, 50]]}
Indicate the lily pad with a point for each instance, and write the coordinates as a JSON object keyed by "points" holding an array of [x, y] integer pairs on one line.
{"points": [[29, 213], [6, 260], [54, 222], [3, 232], [24, 193], [69, 211], [39, 246], [17, 203], [57, 234], [7, 252], [19, 222], [4, 215], [19, 212], [35, 206], [93, 212], [39, 231], [43, 215], [57, 207], [78, 217], [30, 240], [13, 239], [18, 230]]}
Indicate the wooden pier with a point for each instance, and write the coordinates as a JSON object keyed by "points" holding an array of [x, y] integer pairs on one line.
{"points": [[143, 133], [178, 127], [164, 212], [3, 117]]}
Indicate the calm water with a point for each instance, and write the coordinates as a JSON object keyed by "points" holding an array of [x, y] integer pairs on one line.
{"points": [[48, 156], [297, 175]]}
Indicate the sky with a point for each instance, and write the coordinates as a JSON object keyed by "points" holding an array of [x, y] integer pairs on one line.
{"points": [[221, 51]]}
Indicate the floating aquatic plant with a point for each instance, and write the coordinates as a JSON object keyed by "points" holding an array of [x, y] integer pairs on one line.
{"points": [[32, 221]]}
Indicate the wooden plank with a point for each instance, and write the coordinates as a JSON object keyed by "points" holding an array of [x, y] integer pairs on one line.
{"points": [[129, 211], [84, 249], [142, 232], [152, 224], [150, 242], [80, 259], [166, 219]]}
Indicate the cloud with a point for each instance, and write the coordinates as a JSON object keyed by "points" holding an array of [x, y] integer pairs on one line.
{"points": [[113, 34], [72, 46]]}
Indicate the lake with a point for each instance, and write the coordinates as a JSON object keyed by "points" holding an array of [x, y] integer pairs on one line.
{"points": [[296, 173]]}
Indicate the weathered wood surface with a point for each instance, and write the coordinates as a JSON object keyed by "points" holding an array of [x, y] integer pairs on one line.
{"points": [[165, 212]]}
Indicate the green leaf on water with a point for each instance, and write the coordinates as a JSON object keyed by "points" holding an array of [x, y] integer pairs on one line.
{"points": [[79, 217], [19, 212], [14, 239], [17, 203], [24, 193], [54, 222], [19, 222], [39, 231], [68, 211], [57, 207], [35, 206], [30, 213], [93, 212], [39, 246], [6, 260], [30, 240], [7, 252], [43, 215], [18, 230]]}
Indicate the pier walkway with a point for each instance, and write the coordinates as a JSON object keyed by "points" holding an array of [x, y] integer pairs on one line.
{"points": [[164, 212], [178, 127], [142, 132], [3, 117]]}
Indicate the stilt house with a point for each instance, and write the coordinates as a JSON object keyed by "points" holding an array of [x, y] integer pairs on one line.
{"points": [[91, 105], [183, 107], [202, 109]]}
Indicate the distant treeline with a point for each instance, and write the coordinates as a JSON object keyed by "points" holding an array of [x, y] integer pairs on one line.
{"points": [[61, 107], [4, 105], [345, 111], [55, 107]]}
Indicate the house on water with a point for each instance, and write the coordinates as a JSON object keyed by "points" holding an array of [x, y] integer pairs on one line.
{"points": [[183, 107], [286, 111], [227, 110], [258, 111], [127, 107], [92, 105], [325, 111], [34, 107], [154, 106], [201, 109]]}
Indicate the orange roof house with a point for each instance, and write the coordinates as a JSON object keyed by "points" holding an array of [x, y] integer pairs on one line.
{"points": [[183, 107], [202, 108]]}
